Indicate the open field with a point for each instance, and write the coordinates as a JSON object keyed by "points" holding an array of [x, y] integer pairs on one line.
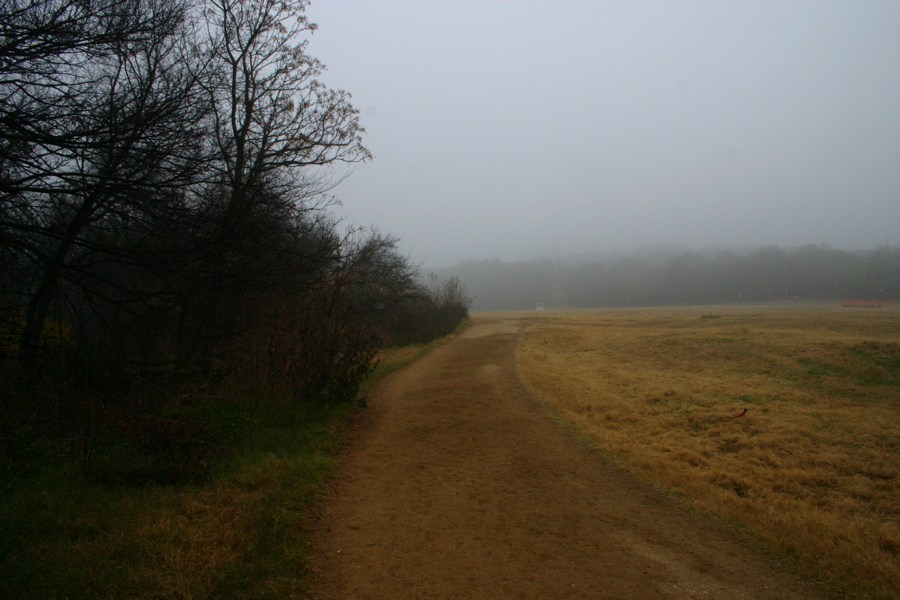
{"points": [[813, 465]]}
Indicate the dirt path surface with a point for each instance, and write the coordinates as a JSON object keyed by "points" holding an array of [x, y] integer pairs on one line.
{"points": [[458, 484]]}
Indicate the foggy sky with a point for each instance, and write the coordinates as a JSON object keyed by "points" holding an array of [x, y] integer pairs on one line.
{"points": [[523, 128]]}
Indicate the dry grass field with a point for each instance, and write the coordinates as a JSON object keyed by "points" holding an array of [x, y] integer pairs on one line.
{"points": [[813, 466]]}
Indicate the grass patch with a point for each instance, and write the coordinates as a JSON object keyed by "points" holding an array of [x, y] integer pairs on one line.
{"points": [[812, 466], [389, 360], [67, 533], [122, 527]]}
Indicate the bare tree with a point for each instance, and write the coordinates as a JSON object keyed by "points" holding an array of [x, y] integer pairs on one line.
{"points": [[99, 113], [273, 129], [273, 119]]}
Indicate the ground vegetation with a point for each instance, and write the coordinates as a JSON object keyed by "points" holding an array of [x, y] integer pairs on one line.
{"points": [[781, 419]]}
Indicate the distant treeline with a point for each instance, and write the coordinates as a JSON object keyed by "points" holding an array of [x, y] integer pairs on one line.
{"points": [[684, 277]]}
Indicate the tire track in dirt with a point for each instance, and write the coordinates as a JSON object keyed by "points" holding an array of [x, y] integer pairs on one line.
{"points": [[457, 483]]}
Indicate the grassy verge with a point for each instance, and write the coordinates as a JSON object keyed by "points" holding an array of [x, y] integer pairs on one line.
{"points": [[781, 419], [389, 360], [236, 533], [66, 535]]}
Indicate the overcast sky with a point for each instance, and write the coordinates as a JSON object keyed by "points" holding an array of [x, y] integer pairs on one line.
{"points": [[523, 128]]}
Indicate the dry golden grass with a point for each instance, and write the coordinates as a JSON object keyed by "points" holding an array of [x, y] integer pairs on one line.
{"points": [[813, 465]]}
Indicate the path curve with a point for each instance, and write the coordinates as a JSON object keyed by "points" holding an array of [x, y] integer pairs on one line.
{"points": [[457, 483]]}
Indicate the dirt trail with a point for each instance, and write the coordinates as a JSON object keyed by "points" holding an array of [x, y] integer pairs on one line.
{"points": [[458, 484]]}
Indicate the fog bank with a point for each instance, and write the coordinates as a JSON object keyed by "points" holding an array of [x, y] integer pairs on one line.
{"points": [[664, 278], [524, 129]]}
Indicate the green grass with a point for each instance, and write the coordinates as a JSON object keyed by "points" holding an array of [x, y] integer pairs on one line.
{"points": [[236, 528], [235, 534]]}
